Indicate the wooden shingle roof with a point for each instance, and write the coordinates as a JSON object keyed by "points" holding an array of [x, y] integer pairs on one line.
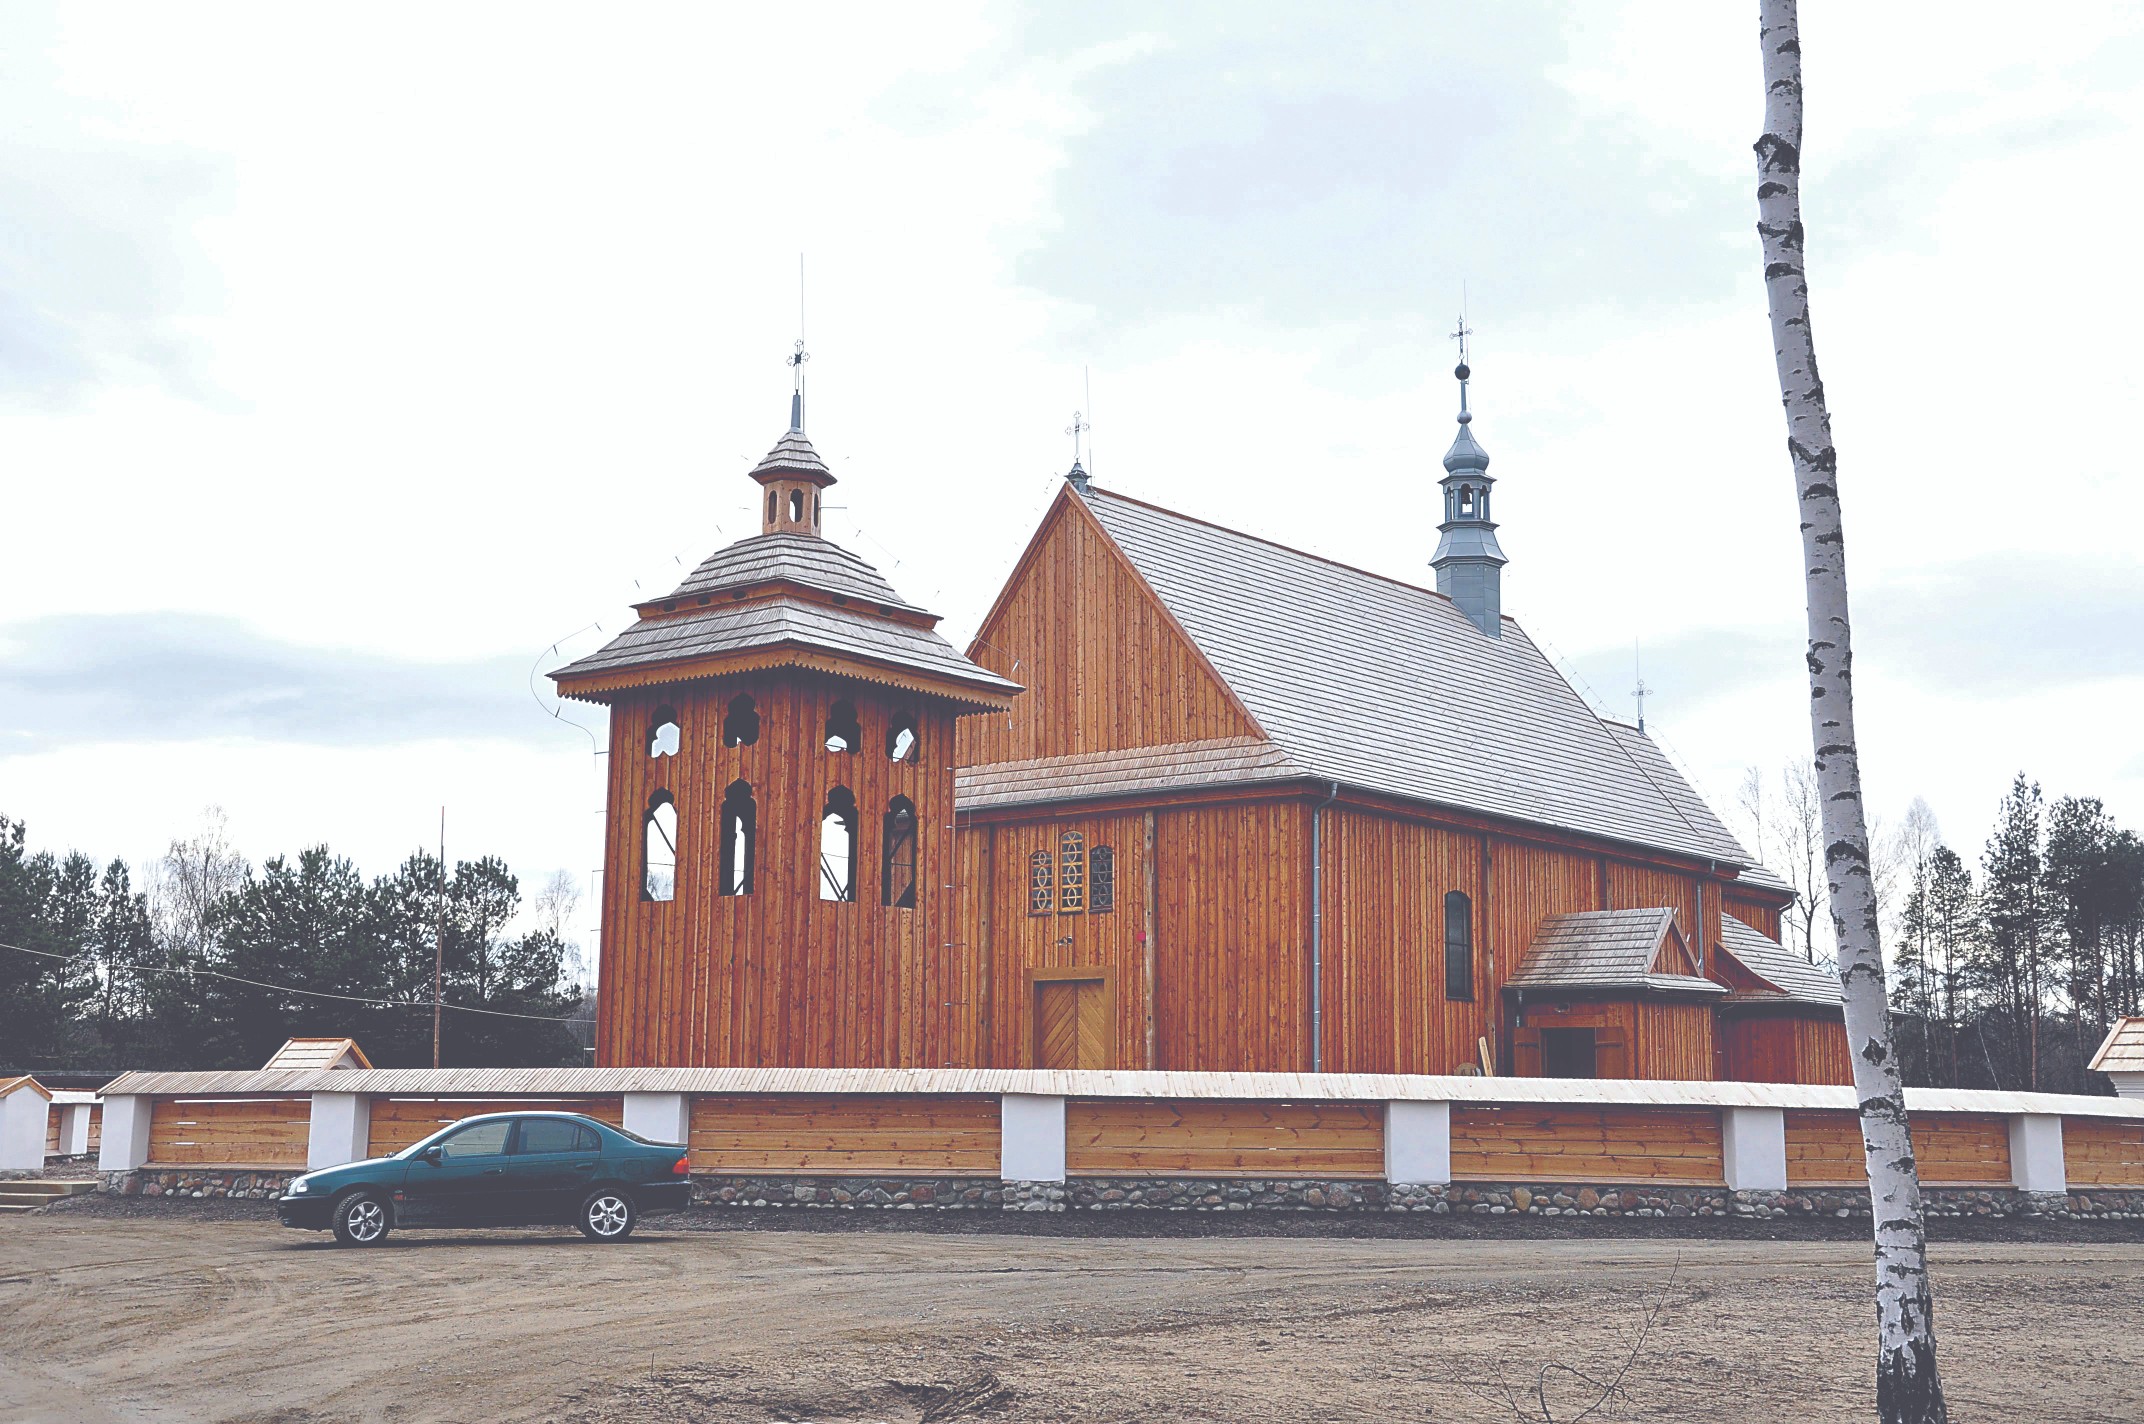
{"points": [[303, 1053], [1611, 949], [1794, 978], [2123, 1050], [1387, 687]]}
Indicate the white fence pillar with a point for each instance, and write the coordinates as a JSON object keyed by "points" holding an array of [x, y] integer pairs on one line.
{"points": [[1032, 1136], [2036, 1163], [22, 1128], [74, 1129], [125, 1145], [1754, 1148], [660, 1117], [1418, 1143], [341, 1130]]}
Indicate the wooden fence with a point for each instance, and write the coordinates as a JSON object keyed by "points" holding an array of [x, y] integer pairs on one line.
{"points": [[1026, 1126]]}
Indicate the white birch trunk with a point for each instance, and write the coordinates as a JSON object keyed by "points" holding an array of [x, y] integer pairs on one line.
{"points": [[1907, 1388]]}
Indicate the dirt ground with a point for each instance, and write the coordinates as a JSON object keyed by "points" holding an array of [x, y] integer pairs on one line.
{"points": [[184, 1316]]}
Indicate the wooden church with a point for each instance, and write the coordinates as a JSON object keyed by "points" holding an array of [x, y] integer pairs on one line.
{"points": [[1190, 800]]}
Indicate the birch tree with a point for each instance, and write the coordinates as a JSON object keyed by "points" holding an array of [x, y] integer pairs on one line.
{"points": [[1908, 1390]]}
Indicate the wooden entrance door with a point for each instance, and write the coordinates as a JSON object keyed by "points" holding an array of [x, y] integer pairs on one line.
{"points": [[1072, 1023]]}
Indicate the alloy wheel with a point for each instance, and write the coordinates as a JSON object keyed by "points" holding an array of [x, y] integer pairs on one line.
{"points": [[366, 1220], [608, 1215]]}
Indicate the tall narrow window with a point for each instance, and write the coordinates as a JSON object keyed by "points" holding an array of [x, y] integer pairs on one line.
{"points": [[1458, 947], [897, 867], [740, 724], [772, 497], [662, 733], [901, 737], [843, 734], [658, 879], [1101, 880], [1041, 894], [796, 506], [1071, 873], [740, 839], [837, 846]]}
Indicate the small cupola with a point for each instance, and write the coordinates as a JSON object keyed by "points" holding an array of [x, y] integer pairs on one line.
{"points": [[792, 475], [1469, 562]]}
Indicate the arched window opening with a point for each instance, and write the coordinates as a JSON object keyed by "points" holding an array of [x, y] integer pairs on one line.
{"points": [[901, 738], [1101, 880], [1071, 873], [772, 506], [1041, 895], [815, 511], [1466, 499], [1458, 947], [740, 723], [796, 506], [837, 846], [843, 732], [663, 733], [897, 878], [740, 839], [658, 879]]}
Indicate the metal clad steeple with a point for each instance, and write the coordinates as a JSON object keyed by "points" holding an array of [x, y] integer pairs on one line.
{"points": [[1469, 562]]}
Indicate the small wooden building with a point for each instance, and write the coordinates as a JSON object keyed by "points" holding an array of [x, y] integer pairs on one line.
{"points": [[1253, 809]]}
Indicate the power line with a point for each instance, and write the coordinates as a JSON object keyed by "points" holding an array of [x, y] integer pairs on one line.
{"points": [[308, 993]]}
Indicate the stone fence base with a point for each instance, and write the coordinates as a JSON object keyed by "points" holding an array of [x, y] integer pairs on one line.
{"points": [[1107, 1194]]}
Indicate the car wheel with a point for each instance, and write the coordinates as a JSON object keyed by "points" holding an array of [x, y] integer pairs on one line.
{"points": [[607, 1215], [361, 1220]]}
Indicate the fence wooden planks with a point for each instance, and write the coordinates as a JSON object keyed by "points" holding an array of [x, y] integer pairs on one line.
{"points": [[1949, 1149], [1212, 1137], [229, 1132], [863, 1135], [399, 1121], [2103, 1152], [1663, 1146]]}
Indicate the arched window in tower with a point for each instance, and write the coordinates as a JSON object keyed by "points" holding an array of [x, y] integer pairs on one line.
{"points": [[843, 733], [796, 506], [740, 839], [773, 505], [1041, 894], [815, 511], [1071, 873], [897, 867], [1101, 880], [837, 846], [1466, 501], [663, 733], [658, 880], [740, 723], [901, 737], [1458, 947]]}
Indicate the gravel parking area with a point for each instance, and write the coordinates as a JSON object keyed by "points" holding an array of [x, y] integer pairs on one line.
{"points": [[217, 1315]]}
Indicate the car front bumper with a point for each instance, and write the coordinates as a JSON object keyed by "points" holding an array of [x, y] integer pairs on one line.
{"points": [[307, 1213]]}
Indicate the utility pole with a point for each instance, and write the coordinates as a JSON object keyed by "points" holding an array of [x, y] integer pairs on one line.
{"points": [[439, 938]]}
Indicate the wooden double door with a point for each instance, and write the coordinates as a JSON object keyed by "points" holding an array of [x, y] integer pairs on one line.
{"points": [[1075, 1016]]}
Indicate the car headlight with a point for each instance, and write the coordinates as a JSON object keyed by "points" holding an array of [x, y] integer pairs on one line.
{"points": [[300, 1187]]}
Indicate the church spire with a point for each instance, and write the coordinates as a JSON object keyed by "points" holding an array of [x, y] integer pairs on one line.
{"points": [[792, 474], [1468, 561]]}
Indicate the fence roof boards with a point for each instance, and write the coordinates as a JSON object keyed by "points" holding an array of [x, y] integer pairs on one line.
{"points": [[1283, 1087]]}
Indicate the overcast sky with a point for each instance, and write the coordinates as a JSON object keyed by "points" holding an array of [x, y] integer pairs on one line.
{"points": [[355, 364]]}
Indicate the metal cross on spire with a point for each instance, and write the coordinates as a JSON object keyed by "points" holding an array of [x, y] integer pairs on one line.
{"points": [[1076, 429], [1641, 691], [1462, 371], [797, 358]]}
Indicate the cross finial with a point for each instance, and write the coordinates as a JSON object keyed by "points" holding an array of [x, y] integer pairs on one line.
{"points": [[1076, 429], [1462, 371], [797, 358], [1641, 691]]}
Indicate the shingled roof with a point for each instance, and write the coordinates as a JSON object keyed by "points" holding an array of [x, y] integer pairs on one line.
{"points": [[782, 599], [1386, 686], [1794, 978], [1609, 949], [2123, 1050]]}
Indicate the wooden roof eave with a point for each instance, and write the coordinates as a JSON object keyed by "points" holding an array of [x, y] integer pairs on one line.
{"points": [[744, 595], [603, 685]]}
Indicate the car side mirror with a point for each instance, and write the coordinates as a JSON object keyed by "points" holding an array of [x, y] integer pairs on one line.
{"points": [[432, 1155]]}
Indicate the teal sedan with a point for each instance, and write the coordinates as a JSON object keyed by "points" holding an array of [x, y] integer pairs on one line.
{"points": [[500, 1169]]}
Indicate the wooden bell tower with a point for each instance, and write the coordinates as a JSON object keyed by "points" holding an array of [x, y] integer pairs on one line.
{"points": [[778, 865]]}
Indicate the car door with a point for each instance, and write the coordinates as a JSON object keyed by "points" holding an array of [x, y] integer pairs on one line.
{"points": [[464, 1182], [551, 1167]]}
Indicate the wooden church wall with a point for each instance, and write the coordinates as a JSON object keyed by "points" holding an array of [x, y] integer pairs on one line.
{"points": [[1104, 665], [1785, 1048], [1757, 914], [777, 977]]}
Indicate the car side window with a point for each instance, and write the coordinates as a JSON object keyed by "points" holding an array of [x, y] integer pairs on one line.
{"points": [[588, 1141], [548, 1134], [486, 1139]]}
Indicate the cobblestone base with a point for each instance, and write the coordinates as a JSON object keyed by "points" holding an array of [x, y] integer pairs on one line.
{"points": [[1100, 1194], [240, 1184]]}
